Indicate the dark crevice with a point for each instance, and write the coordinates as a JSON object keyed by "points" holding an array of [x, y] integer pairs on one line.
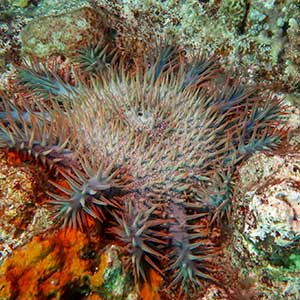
{"points": [[242, 25], [76, 291], [285, 27]]}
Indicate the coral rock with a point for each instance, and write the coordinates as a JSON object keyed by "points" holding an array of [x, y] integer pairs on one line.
{"points": [[267, 224], [69, 32]]}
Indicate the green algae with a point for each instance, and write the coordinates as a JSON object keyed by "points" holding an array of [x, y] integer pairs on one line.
{"points": [[294, 258], [20, 3]]}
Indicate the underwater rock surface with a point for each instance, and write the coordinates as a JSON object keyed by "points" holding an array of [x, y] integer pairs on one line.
{"points": [[256, 40], [22, 216], [266, 239], [69, 32]]}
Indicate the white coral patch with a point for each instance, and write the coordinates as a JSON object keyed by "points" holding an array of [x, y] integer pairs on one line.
{"points": [[276, 214]]}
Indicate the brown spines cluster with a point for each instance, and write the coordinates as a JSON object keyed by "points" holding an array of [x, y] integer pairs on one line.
{"points": [[155, 145]]}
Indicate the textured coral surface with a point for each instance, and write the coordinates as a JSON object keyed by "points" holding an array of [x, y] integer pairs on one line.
{"points": [[64, 265], [126, 136], [267, 223]]}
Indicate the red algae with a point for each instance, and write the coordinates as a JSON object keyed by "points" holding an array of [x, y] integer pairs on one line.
{"points": [[150, 290], [45, 266], [68, 264]]}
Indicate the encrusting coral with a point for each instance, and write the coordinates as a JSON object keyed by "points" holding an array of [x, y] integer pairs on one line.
{"points": [[147, 150], [65, 265]]}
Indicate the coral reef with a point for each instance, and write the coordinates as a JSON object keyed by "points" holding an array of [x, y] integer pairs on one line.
{"points": [[21, 209], [69, 33], [267, 224], [258, 40], [63, 266], [144, 143], [151, 146]]}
